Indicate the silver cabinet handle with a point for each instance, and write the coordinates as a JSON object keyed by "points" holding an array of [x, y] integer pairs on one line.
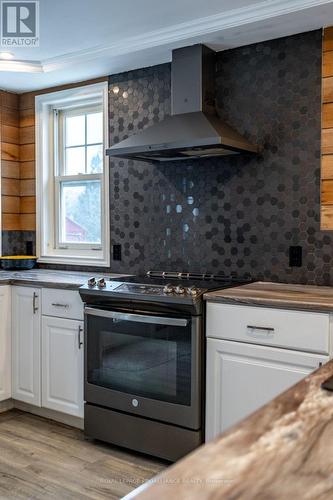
{"points": [[262, 331], [56, 304], [266, 328], [80, 343], [34, 306]]}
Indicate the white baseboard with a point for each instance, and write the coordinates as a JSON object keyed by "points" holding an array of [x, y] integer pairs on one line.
{"points": [[50, 414]]}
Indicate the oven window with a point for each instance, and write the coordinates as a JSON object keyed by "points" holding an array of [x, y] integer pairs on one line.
{"points": [[142, 359]]}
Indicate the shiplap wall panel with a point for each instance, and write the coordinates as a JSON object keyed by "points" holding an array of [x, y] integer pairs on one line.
{"points": [[10, 187], [10, 169], [327, 93], [27, 204], [327, 115], [27, 170], [328, 63], [327, 167], [327, 192], [11, 222], [10, 204], [326, 220], [10, 155], [326, 217], [328, 39]]}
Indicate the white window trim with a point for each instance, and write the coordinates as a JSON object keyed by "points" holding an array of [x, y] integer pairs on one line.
{"points": [[45, 165]]}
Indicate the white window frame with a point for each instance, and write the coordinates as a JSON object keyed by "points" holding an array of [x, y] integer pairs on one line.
{"points": [[47, 150]]}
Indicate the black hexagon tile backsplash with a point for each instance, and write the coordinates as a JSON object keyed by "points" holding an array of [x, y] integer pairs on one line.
{"points": [[233, 214]]}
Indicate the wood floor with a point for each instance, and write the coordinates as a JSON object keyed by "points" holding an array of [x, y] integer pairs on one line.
{"points": [[41, 459]]}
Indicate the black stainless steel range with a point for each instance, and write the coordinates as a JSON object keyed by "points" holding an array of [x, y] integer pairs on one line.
{"points": [[144, 360]]}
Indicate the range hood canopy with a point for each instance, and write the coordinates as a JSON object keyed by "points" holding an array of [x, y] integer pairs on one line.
{"points": [[193, 130]]}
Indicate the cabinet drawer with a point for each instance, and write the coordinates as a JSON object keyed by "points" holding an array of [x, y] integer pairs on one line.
{"points": [[300, 330], [62, 303]]}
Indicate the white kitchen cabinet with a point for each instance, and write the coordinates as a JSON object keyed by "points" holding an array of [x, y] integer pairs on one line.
{"points": [[242, 377], [62, 303], [5, 343], [26, 352], [298, 330], [62, 365]]}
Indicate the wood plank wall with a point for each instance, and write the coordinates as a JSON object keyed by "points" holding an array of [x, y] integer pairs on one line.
{"points": [[10, 167], [327, 132], [27, 191], [27, 162]]}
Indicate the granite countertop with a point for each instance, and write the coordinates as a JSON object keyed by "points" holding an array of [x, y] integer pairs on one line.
{"points": [[49, 278], [284, 450], [307, 297]]}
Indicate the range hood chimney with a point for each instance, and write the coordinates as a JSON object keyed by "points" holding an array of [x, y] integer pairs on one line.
{"points": [[193, 130]]}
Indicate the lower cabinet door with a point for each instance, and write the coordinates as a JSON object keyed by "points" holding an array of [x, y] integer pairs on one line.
{"points": [[62, 365], [5, 344], [242, 377], [26, 344]]}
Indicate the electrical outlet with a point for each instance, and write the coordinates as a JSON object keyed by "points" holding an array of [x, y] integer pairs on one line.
{"points": [[295, 256], [116, 252]]}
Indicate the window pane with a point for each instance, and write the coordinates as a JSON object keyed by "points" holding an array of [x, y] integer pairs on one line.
{"points": [[80, 219], [75, 130], [94, 159], [75, 161], [94, 128]]}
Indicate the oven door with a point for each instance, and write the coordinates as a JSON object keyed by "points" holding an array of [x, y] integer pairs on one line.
{"points": [[145, 365]]}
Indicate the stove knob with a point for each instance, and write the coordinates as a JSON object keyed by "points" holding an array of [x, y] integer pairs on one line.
{"points": [[92, 281], [180, 290], [193, 291], [101, 283], [168, 288]]}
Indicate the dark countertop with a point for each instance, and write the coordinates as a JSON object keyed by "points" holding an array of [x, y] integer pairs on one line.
{"points": [[49, 278], [284, 450], [286, 296]]}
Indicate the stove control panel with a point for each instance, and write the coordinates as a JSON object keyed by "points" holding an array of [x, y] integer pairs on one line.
{"points": [[101, 284], [181, 290], [174, 290]]}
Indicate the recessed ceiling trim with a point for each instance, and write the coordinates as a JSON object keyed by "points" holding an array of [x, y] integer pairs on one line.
{"points": [[257, 12]]}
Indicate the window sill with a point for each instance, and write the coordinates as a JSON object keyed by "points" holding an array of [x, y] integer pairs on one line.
{"points": [[74, 261]]}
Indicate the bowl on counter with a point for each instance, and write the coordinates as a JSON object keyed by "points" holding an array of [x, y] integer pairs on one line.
{"points": [[17, 262]]}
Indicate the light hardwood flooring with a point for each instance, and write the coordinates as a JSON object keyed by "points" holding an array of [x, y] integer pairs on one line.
{"points": [[41, 459]]}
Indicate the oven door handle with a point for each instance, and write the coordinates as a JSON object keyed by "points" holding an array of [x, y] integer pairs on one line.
{"points": [[159, 320]]}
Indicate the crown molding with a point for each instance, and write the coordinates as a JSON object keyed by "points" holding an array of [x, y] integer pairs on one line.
{"points": [[176, 34], [21, 66], [260, 11]]}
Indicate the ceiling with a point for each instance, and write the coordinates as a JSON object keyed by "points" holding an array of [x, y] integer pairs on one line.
{"points": [[82, 39]]}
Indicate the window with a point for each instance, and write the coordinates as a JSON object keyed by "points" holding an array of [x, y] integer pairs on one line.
{"points": [[72, 177]]}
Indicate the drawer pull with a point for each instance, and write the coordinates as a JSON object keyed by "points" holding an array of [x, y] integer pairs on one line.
{"points": [[80, 343], [260, 329], [34, 306], [56, 304]]}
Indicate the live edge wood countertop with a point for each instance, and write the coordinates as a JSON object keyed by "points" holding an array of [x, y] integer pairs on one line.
{"points": [[285, 296], [284, 450]]}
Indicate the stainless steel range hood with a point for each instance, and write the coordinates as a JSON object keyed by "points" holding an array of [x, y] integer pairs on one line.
{"points": [[193, 130]]}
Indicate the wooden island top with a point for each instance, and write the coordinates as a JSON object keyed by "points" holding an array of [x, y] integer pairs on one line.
{"points": [[284, 450]]}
